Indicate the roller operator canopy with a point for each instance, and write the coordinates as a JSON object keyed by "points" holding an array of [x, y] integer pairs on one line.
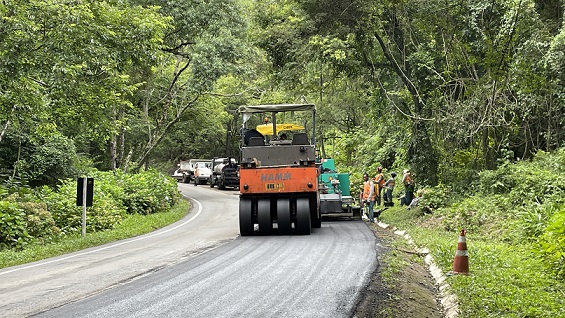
{"points": [[273, 128], [276, 108]]}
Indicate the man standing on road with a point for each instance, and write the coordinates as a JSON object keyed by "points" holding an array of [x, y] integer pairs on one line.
{"points": [[369, 195]]}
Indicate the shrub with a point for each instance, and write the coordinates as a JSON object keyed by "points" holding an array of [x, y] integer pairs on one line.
{"points": [[62, 205], [105, 212], [432, 198], [40, 222], [49, 161], [13, 223], [28, 221], [109, 183], [149, 192], [49, 212], [459, 170], [496, 181], [553, 242], [528, 182], [532, 220], [477, 213], [115, 194], [531, 194]]}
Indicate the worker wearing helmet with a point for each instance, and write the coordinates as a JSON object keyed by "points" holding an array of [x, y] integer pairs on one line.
{"points": [[380, 181], [369, 195]]}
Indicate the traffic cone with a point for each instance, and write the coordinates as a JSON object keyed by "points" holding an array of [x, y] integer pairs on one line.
{"points": [[461, 261]]}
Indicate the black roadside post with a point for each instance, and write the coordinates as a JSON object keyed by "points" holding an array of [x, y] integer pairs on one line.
{"points": [[85, 193]]}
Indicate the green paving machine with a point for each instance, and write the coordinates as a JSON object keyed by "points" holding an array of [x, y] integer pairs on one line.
{"points": [[335, 195]]}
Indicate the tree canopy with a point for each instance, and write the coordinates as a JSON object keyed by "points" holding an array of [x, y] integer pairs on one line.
{"points": [[445, 89]]}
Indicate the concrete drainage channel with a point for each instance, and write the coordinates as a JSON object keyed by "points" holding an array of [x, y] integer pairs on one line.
{"points": [[448, 300]]}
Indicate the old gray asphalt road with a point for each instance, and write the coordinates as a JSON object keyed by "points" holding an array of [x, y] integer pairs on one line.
{"points": [[39, 286], [319, 275]]}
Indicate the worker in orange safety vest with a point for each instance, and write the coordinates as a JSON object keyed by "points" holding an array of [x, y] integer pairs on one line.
{"points": [[369, 196], [380, 181]]}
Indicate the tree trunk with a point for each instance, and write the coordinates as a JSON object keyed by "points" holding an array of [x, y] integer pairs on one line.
{"points": [[156, 135], [488, 154], [112, 150], [113, 143], [7, 123], [4, 129], [421, 154], [121, 148]]}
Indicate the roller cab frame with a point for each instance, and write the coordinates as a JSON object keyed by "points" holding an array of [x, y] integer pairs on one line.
{"points": [[278, 178]]}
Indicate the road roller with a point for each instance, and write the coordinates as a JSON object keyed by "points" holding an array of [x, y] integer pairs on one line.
{"points": [[278, 171]]}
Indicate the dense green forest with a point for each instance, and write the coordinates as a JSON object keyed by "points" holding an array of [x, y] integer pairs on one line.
{"points": [[447, 89]]}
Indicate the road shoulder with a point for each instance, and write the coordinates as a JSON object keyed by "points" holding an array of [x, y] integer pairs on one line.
{"points": [[401, 285]]}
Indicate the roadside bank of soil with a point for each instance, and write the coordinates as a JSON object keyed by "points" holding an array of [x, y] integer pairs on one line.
{"points": [[401, 286]]}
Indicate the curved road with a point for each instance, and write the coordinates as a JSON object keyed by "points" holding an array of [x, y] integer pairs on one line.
{"points": [[200, 267]]}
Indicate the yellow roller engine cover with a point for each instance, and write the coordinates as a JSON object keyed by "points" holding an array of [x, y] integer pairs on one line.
{"points": [[278, 180]]}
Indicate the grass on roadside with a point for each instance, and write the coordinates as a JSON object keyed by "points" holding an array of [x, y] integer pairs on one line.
{"points": [[504, 280], [133, 225], [391, 265], [394, 264]]}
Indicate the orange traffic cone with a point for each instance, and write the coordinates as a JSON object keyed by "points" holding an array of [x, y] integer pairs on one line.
{"points": [[461, 261]]}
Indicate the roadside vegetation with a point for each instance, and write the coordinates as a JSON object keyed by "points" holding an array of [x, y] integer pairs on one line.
{"points": [[45, 222], [515, 222]]}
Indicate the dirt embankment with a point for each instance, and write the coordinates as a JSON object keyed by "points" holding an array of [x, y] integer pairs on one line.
{"points": [[401, 286]]}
